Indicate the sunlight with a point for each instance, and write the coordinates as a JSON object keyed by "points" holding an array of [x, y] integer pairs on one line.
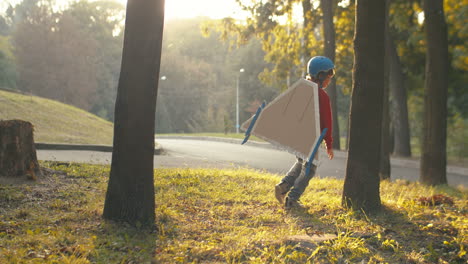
{"points": [[177, 8], [207, 8]]}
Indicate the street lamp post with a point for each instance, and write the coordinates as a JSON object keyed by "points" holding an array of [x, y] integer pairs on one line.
{"points": [[237, 100]]}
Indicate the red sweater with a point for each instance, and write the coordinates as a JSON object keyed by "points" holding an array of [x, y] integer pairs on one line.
{"points": [[326, 120]]}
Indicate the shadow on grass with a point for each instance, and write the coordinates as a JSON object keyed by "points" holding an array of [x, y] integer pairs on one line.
{"points": [[121, 243], [310, 221], [418, 240]]}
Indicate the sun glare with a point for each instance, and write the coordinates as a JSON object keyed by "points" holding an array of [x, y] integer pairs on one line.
{"points": [[205, 8], [178, 8], [208, 8]]}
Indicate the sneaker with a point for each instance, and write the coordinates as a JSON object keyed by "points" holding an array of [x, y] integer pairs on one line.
{"points": [[291, 204], [281, 189]]}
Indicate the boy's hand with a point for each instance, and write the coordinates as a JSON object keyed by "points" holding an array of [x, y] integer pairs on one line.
{"points": [[330, 153]]}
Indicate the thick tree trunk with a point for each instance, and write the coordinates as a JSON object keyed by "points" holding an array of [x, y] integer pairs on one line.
{"points": [[17, 150], [401, 130], [330, 47], [130, 192], [361, 187], [433, 149], [385, 167]]}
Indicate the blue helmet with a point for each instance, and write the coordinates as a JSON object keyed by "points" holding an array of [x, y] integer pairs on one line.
{"points": [[319, 64]]}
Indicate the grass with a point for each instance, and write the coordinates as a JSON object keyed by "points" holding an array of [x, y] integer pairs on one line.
{"points": [[55, 122], [224, 216]]}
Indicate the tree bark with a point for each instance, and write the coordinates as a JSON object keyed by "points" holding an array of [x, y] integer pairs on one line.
{"points": [[330, 48], [361, 187], [17, 150], [433, 149], [307, 29], [385, 167], [130, 192], [402, 146]]}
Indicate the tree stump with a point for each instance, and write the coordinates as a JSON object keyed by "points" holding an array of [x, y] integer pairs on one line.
{"points": [[17, 150]]}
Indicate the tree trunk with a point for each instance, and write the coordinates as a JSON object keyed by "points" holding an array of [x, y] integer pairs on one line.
{"points": [[361, 187], [402, 138], [308, 28], [17, 150], [433, 149], [330, 47], [385, 167], [130, 192]]}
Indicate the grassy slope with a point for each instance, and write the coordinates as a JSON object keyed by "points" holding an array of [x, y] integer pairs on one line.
{"points": [[55, 122], [224, 216]]}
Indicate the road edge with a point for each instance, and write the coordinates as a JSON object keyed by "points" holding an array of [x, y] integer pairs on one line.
{"points": [[158, 150], [410, 163]]}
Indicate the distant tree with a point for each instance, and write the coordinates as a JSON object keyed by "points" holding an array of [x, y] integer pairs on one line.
{"points": [[329, 51], [4, 27], [398, 91], [397, 87], [434, 142], [14, 14], [59, 53], [200, 72], [184, 102], [361, 187], [308, 26], [55, 57], [102, 22], [130, 191], [344, 26], [8, 74], [287, 44]]}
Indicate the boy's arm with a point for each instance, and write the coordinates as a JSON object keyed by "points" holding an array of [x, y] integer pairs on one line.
{"points": [[330, 153], [326, 121]]}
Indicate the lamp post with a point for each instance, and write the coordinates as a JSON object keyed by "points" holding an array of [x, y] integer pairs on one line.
{"points": [[237, 100]]}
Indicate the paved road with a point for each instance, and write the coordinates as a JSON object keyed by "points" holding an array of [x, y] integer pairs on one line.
{"points": [[208, 154]]}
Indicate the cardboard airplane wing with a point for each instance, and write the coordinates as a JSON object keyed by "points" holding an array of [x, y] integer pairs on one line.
{"points": [[291, 121]]}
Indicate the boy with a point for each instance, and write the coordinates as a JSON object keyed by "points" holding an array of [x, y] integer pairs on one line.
{"points": [[320, 71]]}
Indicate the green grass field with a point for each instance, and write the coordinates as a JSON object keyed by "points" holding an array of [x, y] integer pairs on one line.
{"points": [[55, 122], [224, 216]]}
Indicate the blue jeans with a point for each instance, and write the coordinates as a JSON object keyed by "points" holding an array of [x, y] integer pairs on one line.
{"points": [[297, 180]]}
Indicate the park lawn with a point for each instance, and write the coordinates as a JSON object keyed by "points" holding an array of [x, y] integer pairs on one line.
{"points": [[224, 216]]}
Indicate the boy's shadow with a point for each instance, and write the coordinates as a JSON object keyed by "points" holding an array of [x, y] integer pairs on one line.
{"points": [[316, 231]]}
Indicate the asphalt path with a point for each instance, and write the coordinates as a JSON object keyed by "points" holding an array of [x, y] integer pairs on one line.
{"points": [[196, 153]]}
